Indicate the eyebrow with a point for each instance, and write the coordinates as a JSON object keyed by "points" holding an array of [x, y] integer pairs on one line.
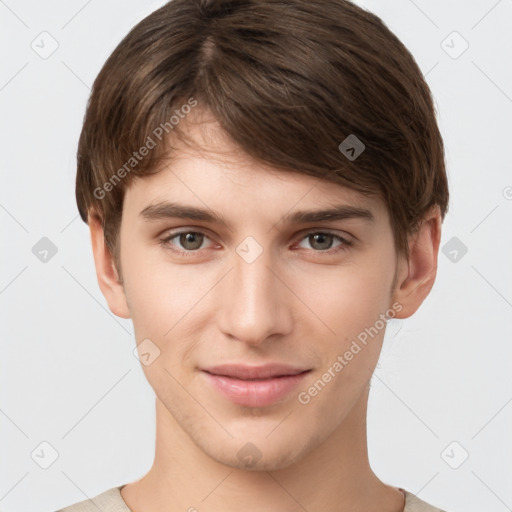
{"points": [[169, 210]]}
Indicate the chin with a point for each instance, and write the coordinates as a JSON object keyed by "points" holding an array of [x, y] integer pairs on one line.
{"points": [[269, 461], [261, 452]]}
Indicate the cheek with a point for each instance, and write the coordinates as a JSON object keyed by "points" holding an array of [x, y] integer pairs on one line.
{"points": [[160, 301], [157, 290], [165, 301], [349, 302], [348, 298]]}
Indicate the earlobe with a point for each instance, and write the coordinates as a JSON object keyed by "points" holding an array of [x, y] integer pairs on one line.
{"points": [[106, 272], [417, 277]]}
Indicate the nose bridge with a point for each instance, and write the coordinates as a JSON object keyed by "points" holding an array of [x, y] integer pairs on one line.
{"points": [[252, 304]]}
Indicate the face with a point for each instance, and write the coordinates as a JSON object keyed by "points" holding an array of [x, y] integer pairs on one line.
{"points": [[260, 325]]}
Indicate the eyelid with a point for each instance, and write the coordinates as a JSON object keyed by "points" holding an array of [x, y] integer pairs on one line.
{"points": [[348, 238]]}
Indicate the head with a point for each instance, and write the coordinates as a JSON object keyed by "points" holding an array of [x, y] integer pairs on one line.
{"points": [[247, 111]]}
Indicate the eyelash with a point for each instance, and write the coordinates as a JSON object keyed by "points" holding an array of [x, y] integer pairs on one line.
{"points": [[345, 244]]}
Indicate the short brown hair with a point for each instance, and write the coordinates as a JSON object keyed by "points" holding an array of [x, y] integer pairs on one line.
{"points": [[288, 81]]}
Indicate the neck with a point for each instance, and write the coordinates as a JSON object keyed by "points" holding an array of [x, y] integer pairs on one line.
{"points": [[335, 476]]}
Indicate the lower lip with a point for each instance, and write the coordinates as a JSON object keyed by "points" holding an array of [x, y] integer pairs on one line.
{"points": [[255, 393]]}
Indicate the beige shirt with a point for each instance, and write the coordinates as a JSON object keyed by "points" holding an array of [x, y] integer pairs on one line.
{"points": [[112, 501]]}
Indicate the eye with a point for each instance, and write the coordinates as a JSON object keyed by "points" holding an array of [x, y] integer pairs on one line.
{"points": [[322, 241], [190, 241]]}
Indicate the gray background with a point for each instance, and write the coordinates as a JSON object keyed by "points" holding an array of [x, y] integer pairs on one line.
{"points": [[442, 390]]}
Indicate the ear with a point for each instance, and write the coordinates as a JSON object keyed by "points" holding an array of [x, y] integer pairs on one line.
{"points": [[106, 272], [416, 277]]}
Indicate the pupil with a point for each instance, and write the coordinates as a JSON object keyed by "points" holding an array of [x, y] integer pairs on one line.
{"points": [[322, 239], [191, 238]]}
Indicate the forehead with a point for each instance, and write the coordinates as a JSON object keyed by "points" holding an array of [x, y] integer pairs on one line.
{"points": [[213, 173]]}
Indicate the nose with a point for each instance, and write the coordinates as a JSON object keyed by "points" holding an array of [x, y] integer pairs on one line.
{"points": [[253, 301]]}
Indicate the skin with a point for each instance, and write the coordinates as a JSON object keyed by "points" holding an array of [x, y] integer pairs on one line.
{"points": [[298, 303]]}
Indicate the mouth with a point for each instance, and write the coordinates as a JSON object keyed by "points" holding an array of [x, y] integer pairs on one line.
{"points": [[255, 386]]}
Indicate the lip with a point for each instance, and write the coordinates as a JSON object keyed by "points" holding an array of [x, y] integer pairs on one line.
{"points": [[245, 372], [255, 386]]}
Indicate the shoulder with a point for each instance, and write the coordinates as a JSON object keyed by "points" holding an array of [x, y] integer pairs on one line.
{"points": [[112, 501], [415, 504], [108, 501]]}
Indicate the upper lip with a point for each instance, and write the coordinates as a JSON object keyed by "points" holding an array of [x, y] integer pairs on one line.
{"points": [[245, 372]]}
